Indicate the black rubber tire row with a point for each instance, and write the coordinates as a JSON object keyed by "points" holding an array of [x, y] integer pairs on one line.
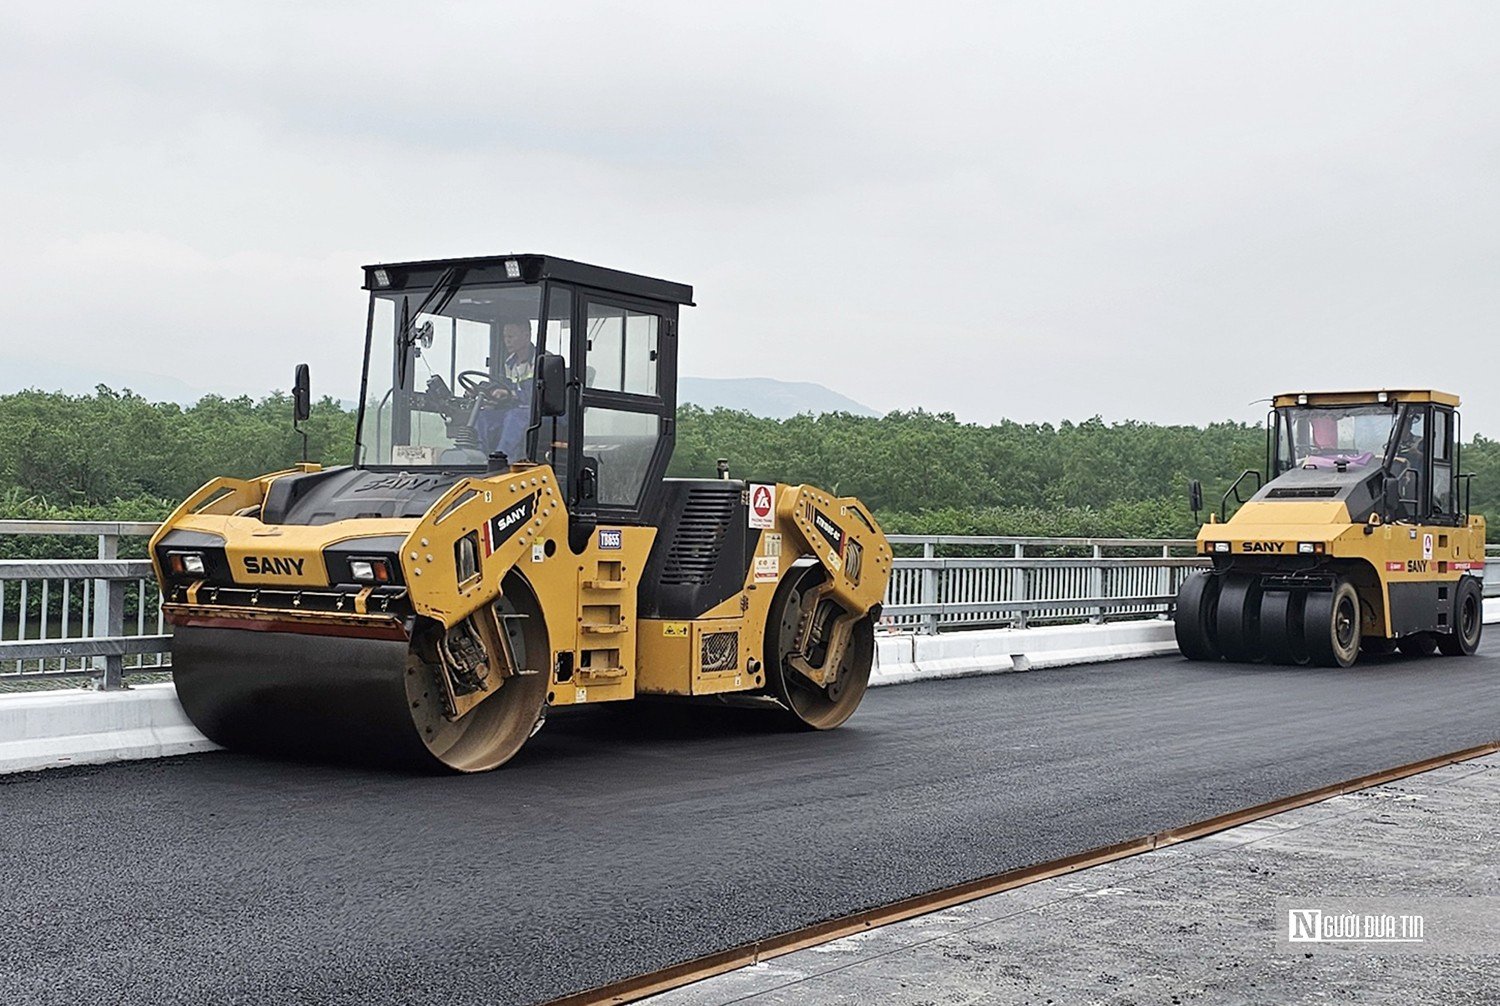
{"points": [[1234, 616]]}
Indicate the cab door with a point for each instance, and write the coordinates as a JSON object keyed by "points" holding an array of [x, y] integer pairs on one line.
{"points": [[626, 406]]}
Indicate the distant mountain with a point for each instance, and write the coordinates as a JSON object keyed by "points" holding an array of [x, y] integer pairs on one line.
{"points": [[764, 396], [18, 374], [761, 396]]}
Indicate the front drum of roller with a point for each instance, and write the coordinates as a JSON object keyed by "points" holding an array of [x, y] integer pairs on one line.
{"points": [[298, 695], [358, 700]]}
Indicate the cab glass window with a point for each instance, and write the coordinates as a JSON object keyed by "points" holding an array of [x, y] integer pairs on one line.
{"points": [[621, 444], [622, 348], [559, 336], [1442, 435]]}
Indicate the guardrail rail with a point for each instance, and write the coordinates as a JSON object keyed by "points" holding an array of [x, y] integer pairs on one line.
{"points": [[101, 616], [97, 616]]}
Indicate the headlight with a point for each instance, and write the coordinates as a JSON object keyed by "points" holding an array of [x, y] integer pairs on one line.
{"points": [[1218, 546], [370, 570], [1310, 548], [187, 563]]}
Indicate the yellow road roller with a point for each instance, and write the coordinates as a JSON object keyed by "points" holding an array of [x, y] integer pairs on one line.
{"points": [[1360, 539], [505, 540]]}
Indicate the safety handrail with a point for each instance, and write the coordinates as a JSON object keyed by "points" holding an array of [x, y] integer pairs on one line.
{"points": [[1234, 489]]}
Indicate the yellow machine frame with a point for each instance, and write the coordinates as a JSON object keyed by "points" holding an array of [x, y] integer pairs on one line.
{"points": [[600, 651]]}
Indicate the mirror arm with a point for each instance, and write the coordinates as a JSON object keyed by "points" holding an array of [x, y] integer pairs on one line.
{"points": [[301, 402]]}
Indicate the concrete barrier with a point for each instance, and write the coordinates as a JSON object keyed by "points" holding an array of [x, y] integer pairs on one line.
{"points": [[51, 729], [903, 658]]}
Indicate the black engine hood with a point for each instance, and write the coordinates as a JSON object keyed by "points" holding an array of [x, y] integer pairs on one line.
{"points": [[342, 493], [1359, 489]]}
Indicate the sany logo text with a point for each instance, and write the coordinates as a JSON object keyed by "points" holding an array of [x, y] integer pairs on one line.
{"points": [[273, 565]]}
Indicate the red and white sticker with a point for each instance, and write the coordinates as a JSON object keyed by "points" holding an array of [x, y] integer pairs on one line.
{"points": [[767, 568], [1395, 567], [1427, 546], [762, 511], [1468, 565]]}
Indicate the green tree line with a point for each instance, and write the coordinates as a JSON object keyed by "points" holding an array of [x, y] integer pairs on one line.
{"points": [[115, 455]]}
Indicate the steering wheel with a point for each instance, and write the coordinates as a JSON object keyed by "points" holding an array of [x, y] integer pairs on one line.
{"points": [[474, 382], [479, 385]]}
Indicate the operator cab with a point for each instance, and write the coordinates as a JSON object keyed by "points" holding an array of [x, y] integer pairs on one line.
{"points": [[1395, 451], [475, 364]]}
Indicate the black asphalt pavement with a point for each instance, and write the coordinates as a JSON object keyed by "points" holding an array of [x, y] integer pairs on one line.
{"points": [[625, 839]]}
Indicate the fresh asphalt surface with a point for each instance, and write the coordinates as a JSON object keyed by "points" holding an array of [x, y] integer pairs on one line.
{"points": [[625, 839]]}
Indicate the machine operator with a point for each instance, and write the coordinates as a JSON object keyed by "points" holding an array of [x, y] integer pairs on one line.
{"points": [[502, 421]]}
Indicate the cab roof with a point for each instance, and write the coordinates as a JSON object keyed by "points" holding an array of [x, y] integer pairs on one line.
{"points": [[527, 268], [1364, 397]]}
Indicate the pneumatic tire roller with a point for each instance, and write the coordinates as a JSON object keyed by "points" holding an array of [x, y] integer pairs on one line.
{"points": [[1360, 541]]}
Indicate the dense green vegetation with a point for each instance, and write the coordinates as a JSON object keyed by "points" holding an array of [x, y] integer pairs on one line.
{"points": [[117, 456]]}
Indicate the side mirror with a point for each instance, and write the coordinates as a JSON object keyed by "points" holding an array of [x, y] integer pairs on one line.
{"points": [[301, 394], [1392, 492], [1195, 497], [554, 389]]}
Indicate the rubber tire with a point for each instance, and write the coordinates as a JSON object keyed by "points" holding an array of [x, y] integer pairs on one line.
{"points": [[1468, 620], [1327, 645], [1239, 618], [1418, 644], [1281, 629], [1194, 616]]}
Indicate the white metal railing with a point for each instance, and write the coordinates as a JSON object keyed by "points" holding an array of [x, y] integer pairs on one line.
{"points": [[99, 616], [102, 616], [1023, 581]]}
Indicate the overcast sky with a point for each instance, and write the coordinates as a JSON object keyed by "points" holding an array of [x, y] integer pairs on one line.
{"points": [[1033, 211]]}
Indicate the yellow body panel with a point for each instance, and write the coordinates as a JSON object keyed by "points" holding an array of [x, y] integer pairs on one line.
{"points": [[588, 600], [1307, 513], [246, 538], [671, 650]]}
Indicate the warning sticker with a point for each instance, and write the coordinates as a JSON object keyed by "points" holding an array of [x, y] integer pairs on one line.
{"points": [[771, 543], [767, 568], [1395, 567], [762, 506], [1427, 546], [675, 629]]}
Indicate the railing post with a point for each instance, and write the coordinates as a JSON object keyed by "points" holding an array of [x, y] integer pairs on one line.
{"points": [[109, 619], [1096, 584], [1164, 580], [1018, 584], [929, 588]]}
